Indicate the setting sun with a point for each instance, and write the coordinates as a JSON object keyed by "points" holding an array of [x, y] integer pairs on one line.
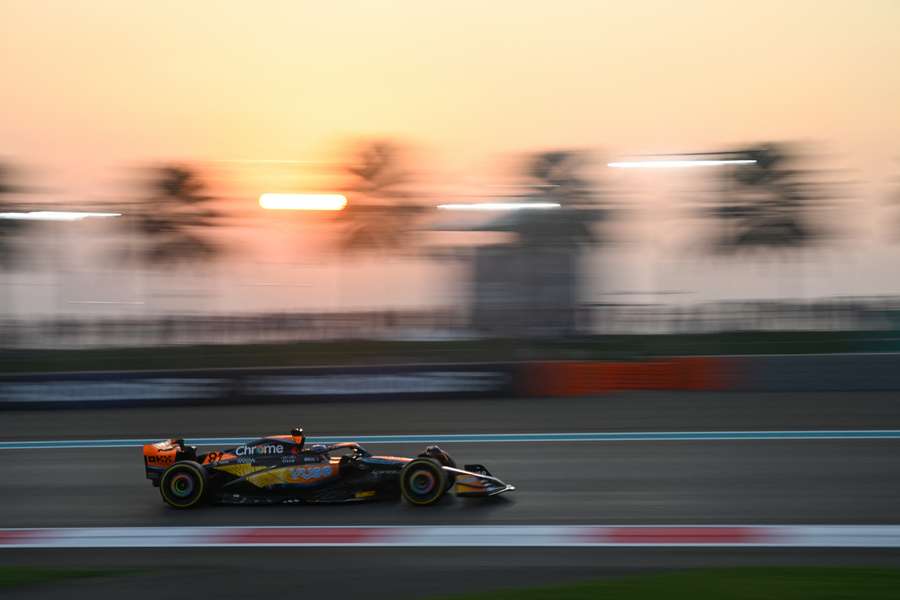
{"points": [[303, 201]]}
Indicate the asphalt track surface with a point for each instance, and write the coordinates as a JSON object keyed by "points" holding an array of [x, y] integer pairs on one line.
{"points": [[635, 482]]}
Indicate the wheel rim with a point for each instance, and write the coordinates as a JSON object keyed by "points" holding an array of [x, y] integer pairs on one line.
{"points": [[422, 482], [182, 485]]}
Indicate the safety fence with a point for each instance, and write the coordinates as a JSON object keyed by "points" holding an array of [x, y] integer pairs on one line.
{"points": [[876, 317], [789, 373]]}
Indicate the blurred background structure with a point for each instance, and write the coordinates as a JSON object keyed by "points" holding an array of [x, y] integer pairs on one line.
{"points": [[555, 252], [587, 186]]}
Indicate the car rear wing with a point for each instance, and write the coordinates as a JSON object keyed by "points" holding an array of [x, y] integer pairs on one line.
{"points": [[160, 456]]}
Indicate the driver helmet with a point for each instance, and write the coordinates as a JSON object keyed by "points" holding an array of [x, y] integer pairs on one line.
{"points": [[297, 435]]}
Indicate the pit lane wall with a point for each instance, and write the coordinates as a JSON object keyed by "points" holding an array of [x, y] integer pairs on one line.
{"points": [[787, 373]]}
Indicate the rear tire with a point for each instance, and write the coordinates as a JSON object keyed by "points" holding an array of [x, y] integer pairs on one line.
{"points": [[423, 481], [183, 485]]}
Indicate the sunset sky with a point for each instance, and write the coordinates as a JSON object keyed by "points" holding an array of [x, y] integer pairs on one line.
{"points": [[95, 86], [101, 82]]}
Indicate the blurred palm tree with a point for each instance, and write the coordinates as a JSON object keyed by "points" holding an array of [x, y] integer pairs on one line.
{"points": [[174, 217], [535, 284], [557, 177], [381, 215], [380, 212], [559, 174], [769, 208], [767, 205], [894, 201], [10, 229]]}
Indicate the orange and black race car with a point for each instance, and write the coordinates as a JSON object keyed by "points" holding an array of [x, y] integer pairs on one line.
{"points": [[281, 469]]}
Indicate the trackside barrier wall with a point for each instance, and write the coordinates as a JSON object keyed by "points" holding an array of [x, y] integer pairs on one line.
{"points": [[783, 373], [158, 388], [813, 373], [578, 378], [787, 373]]}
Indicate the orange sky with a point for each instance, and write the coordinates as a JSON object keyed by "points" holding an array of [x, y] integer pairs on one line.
{"points": [[94, 84]]}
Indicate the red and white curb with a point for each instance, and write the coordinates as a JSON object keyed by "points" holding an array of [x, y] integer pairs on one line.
{"points": [[810, 536]]}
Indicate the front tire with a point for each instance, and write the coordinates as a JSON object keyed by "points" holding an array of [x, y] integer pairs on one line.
{"points": [[445, 459], [423, 481], [183, 485]]}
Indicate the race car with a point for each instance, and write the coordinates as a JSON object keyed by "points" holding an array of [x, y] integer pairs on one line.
{"points": [[282, 469]]}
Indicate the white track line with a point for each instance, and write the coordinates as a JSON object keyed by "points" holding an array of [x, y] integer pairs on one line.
{"points": [[808, 536], [485, 438]]}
